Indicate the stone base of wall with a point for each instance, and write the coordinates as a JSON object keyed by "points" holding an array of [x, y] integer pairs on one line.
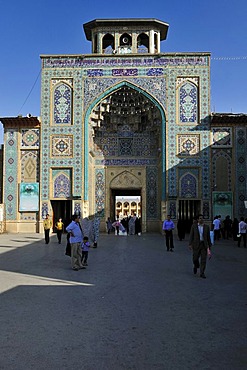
{"points": [[22, 227]]}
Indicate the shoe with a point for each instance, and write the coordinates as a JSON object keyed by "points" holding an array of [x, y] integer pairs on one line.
{"points": [[195, 270], [167, 250], [203, 276], [75, 269], [85, 264], [171, 250], [82, 267]]}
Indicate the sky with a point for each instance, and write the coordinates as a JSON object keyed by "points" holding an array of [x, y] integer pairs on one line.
{"points": [[30, 28]]}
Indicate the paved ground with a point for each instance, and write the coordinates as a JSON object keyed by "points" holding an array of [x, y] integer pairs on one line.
{"points": [[136, 306]]}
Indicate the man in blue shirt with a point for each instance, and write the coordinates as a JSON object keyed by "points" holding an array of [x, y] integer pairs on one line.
{"points": [[75, 240], [168, 226]]}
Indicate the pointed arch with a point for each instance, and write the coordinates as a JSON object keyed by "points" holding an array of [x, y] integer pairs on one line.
{"points": [[188, 186], [61, 185], [101, 97], [124, 180], [221, 163], [187, 96], [125, 40], [108, 44], [143, 43], [29, 166], [62, 103]]}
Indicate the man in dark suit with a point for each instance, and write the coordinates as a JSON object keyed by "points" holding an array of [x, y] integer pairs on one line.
{"points": [[199, 242]]}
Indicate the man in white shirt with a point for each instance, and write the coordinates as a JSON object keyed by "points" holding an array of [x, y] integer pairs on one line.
{"points": [[242, 232], [216, 223]]}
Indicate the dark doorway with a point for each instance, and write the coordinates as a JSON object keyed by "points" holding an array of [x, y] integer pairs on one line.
{"points": [[122, 193], [63, 209], [187, 209]]}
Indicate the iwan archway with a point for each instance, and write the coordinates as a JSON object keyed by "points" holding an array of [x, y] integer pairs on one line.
{"points": [[124, 149]]}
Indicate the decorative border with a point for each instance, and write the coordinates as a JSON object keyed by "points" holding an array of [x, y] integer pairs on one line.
{"points": [[84, 62], [152, 208], [11, 175]]}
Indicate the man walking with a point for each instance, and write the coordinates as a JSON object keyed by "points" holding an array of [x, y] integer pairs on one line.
{"points": [[47, 223], [242, 232], [168, 226], [74, 228], [199, 242]]}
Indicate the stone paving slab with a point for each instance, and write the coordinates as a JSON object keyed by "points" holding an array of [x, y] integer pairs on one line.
{"points": [[136, 306]]}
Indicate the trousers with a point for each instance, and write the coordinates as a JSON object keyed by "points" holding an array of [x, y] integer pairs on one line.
{"points": [[242, 235], [169, 240], [200, 257], [76, 255], [47, 236]]}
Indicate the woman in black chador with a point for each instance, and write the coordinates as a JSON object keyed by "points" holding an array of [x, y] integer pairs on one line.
{"points": [[235, 229], [181, 229], [138, 226]]}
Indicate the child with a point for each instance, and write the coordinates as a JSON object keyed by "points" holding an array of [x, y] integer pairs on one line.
{"points": [[85, 248]]}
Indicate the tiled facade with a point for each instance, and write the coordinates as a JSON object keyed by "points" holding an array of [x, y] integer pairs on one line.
{"points": [[177, 85]]}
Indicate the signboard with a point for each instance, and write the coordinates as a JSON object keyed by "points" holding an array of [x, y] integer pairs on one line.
{"points": [[222, 203], [29, 197]]}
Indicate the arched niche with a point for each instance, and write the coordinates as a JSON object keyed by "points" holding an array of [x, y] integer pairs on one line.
{"points": [[62, 104], [61, 186], [143, 43], [108, 44], [188, 186], [188, 102]]}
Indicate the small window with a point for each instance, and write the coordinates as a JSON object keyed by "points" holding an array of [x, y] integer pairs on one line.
{"points": [[108, 44], [143, 43]]}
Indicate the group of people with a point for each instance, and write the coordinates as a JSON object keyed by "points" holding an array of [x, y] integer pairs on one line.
{"points": [[80, 231], [131, 225], [227, 229], [59, 226], [201, 238]]}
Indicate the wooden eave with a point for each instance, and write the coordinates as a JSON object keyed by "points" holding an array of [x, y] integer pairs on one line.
{"points": [[17, 122]]}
